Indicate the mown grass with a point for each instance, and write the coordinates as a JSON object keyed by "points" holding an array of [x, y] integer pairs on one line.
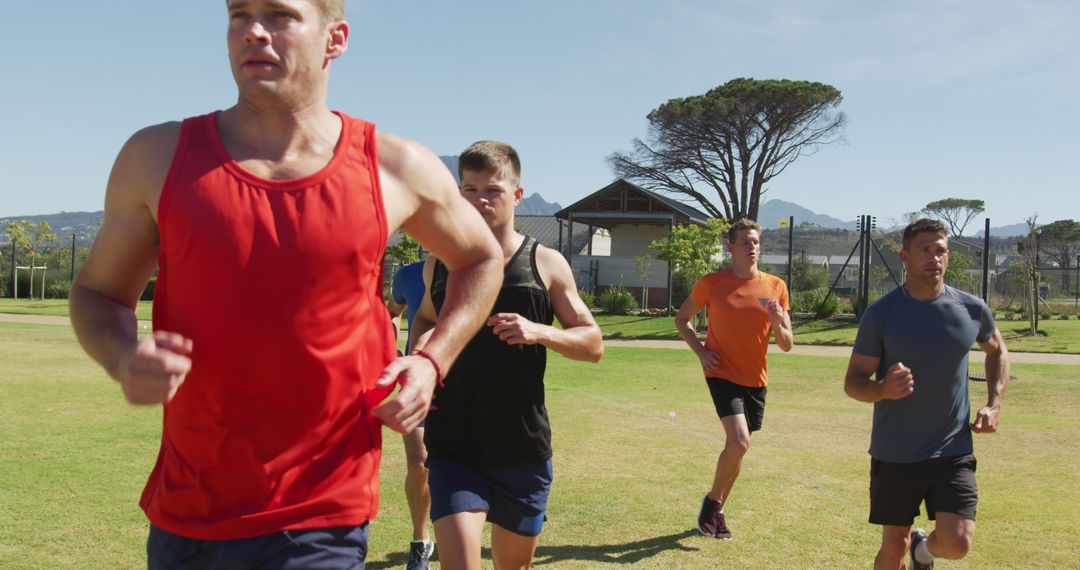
{"points": [[629, 475], [57, 307]]}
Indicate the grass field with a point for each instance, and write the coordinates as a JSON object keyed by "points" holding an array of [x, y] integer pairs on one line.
{"points": [[57, 307], [628, 475]]}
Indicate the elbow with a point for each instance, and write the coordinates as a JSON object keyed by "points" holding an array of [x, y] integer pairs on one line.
{"points": [[596, 353]]}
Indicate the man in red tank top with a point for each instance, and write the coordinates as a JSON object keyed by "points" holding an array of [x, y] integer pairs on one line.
{"points": [[271, 351]]}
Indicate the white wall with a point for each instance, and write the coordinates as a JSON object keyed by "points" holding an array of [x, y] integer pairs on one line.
{"points": [[615, 270], [631, 240]]}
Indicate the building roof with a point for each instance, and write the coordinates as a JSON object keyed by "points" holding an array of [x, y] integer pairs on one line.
{"points": [[545, 229], [623, 201]]}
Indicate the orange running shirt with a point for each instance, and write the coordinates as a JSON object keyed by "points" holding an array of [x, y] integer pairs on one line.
{"points": [[739, 325]]}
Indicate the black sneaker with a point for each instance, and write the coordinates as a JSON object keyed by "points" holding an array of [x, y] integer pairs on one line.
{"points": [[918, 536], [711, 520], [420, 552]]}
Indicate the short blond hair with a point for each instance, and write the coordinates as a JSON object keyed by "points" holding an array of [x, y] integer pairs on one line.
{"points": [[491, 156], [332, 10]]}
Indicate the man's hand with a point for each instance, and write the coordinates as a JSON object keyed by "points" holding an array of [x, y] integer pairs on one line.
{"points": [[898, 383], [776, 312], [709, 360], [986, 421], [513, 328], [155, 369], [409, 407]]}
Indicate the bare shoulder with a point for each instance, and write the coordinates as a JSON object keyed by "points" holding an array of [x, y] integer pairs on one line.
{"points": [[554, 269], [407, 160], [143, 163]]}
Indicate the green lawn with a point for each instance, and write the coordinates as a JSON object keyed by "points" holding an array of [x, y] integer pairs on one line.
{"points": [[57, 307], [636, 442]]}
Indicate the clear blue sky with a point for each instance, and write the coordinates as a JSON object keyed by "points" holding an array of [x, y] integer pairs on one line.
{"points": [[966, 98]]}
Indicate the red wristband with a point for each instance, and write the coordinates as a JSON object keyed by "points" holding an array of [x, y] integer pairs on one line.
{"points": [[434, 363]]}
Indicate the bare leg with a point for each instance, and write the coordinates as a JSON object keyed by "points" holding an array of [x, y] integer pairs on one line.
{"points": [[416, 482], [511, 551], [894, 546], [730, 462], [459, 536], [952, 536]]}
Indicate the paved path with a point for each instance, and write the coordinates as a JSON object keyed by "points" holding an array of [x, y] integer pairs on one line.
{"points": [[810, 350]]}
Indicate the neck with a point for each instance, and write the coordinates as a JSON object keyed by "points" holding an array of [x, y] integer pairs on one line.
{"points": [[748, 271], [508, 239], [275, 132], [924, 291]]}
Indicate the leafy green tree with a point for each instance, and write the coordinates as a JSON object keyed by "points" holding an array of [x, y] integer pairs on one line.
{"points": [[957, 213], [957, 273], [691, 249], [30, 237], [1061, 242], [805, 275], [732, 141], [643, 266], [405, 251]]}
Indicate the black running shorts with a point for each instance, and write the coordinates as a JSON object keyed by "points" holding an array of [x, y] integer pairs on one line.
{"points": [[947, 484], [732, 399]]}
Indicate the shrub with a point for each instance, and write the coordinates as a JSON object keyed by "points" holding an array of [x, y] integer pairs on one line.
{"points": [[1046, 315], [617, 301], [588, 298], [148, 293], [57, 289], [813, 301], [1064, 316]]}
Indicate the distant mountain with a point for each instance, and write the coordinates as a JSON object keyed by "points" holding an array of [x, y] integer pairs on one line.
{"points": [[771, 212], [451, 163], [83, 224], [1012, 230], [534, 204]]}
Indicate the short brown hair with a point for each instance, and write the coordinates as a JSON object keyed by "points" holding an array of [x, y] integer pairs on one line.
{"points": [[491, 156], [743, 224], [920, 226]]}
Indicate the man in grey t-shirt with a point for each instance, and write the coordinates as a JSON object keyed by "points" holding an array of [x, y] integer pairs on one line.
{"points": [[916, 339]]}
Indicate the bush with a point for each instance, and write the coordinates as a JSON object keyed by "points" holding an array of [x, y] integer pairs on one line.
{"points": [[617, 301], [57, 289], [1064, 316], [588, 298], [813, 301], [1046, 315]]}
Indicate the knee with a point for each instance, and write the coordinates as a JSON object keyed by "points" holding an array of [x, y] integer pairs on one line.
{"points": [[953, 545], [737, 446], [417, 469]]}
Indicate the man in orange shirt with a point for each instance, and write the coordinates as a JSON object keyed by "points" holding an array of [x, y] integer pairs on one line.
{"points": [[746, 306]]}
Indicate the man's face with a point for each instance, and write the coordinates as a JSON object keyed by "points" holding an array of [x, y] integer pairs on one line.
{"points": [[278, 48], [927, 257], [492, 194], [746, 248]]}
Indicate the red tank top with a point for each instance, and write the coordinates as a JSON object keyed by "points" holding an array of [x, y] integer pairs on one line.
{"points": [[279, 285]]}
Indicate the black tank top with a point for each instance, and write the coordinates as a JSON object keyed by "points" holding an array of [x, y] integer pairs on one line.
{"points": [[490, 410]]}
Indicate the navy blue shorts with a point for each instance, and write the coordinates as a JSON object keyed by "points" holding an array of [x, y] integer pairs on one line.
{"points": [[514, 496], [340, 547]]}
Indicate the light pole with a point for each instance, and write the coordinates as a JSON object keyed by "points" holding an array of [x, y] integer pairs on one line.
{"points": [[1035, 285]]}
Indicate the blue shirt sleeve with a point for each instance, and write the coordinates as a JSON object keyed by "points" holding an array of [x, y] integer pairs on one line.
{"points": [[987, 326], [868, 339]]}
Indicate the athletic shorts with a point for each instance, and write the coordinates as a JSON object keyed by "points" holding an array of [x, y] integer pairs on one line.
{"points": [[732, 399], [339, 547], [947, 484], [514, 496]]}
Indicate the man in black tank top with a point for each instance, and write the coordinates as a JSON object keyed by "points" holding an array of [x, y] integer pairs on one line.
{"points": [[488, 435]]}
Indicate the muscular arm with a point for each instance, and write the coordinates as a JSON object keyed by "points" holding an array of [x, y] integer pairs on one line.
{"points": [[781, 325], [121, 260], [997, 378], [898, 383], [684, 324], [579, 339], [421, 198]]}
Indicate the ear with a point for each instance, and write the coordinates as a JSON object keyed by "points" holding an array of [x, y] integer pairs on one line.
{"points": [[338, 42], [518, 194], [904, 256]]}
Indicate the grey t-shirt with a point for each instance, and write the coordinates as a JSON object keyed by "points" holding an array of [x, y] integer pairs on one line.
{"points": [[933, 339]]}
